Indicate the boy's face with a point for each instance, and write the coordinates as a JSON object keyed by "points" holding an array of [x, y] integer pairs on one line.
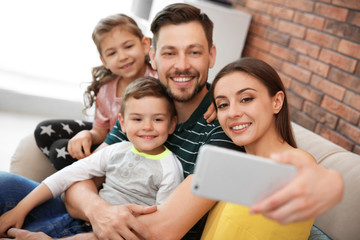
{"points": [[182, 59], [147, 123]]}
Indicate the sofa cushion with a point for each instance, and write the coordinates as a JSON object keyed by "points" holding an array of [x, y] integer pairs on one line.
{"points": [[342, 221]]}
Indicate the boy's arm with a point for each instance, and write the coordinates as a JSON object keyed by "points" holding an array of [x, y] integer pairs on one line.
{"points": [[16, 216]]}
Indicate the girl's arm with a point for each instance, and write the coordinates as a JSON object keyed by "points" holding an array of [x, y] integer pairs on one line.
{"points": [[15, 217], [80, 145]]}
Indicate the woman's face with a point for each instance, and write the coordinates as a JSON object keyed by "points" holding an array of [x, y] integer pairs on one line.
{"points": [[245, 109]]}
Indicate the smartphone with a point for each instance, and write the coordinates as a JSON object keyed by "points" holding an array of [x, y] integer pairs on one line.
{"points": [[233, 176]]}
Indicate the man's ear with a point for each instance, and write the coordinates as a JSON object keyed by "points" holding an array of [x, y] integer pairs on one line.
{"points": [[278, 101], [146, 44], [122, 123], [172, 125], [212, 56], [152, 58]]}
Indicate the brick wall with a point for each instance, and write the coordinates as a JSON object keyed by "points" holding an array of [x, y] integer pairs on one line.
{"points": [[315, 47]]}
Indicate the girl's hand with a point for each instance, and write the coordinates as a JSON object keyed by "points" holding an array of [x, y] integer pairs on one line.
{"points": [[79, 146], [12, 218], [210, 114], [21, 234]]}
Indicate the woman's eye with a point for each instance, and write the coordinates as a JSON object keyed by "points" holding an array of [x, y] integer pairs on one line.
{"points": [[222, 105], [247, 99]]}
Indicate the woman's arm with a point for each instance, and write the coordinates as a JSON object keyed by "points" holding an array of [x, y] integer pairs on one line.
{"points": [[307, 196]]}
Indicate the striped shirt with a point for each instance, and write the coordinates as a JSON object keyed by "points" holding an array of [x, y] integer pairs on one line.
{"points": [[188, 137]]}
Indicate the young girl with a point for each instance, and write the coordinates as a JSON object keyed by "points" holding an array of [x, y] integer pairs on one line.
{"points": [[123, 51], [252, 109]]}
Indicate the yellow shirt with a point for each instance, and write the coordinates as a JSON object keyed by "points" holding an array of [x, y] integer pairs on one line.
{"points": [[231, 221]]}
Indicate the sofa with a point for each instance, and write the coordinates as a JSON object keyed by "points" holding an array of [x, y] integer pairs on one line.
{"points": [[340, 223]]}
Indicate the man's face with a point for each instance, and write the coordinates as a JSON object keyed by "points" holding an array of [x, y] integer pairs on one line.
{"points": [[182, 59]]}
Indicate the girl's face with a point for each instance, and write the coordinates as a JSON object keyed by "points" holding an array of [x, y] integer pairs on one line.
{"points": [[245, 109], [123, 53], [147, 123]]}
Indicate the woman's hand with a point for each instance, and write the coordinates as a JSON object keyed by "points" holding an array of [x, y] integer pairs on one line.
{"points": [[307, 196], [21, 234]]}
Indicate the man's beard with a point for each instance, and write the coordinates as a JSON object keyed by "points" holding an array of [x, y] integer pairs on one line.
{"points": [[186, 98], [182, 97]]}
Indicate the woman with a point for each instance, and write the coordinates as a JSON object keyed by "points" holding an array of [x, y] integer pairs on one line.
{"points": [[251, 107]]}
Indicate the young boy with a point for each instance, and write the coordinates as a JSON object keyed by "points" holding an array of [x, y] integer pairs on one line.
{"points": [[142, 171]]}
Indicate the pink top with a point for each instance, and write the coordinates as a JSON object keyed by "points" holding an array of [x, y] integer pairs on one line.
{"points": [[108, 105]]}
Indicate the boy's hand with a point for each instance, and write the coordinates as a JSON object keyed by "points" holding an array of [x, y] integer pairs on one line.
{"points": [[21, 234], [12, 218]]}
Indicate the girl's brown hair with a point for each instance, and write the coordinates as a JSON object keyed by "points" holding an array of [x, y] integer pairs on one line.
{"points": [[101, 75], [271, 80]]}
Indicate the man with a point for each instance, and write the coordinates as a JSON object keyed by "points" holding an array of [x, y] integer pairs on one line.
{"points": [[182, 54]]}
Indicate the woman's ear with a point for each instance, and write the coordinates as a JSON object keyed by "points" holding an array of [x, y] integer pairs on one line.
{"points": [[122, 123], [278, 101]]}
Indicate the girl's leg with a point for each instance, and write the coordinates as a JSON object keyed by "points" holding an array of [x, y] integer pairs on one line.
{"points": [[50, 217], [52, 137]]}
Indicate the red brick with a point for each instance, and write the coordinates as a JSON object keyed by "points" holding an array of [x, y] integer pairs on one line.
{"points": [[296, 72], [338, 60], [357, 69], [328, 87], [259, 42], [352, 99], [303, 5], [342, 30], [294, 100], [283, 53], [273, 61], [354, 18], [277, 37], [257, 5], [334, 137], [250, 51], [340, 109], [330, 11], [302, 119], [281, 2], [291, 29], [349, 130], [349, 48], [322, 39], [352, 4], [345, 79], [264, 20], [309, 20], [256, 29], [285, 80], [281, 12], [306, 92], [313, 65], [304, 47], [320, 115]]}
